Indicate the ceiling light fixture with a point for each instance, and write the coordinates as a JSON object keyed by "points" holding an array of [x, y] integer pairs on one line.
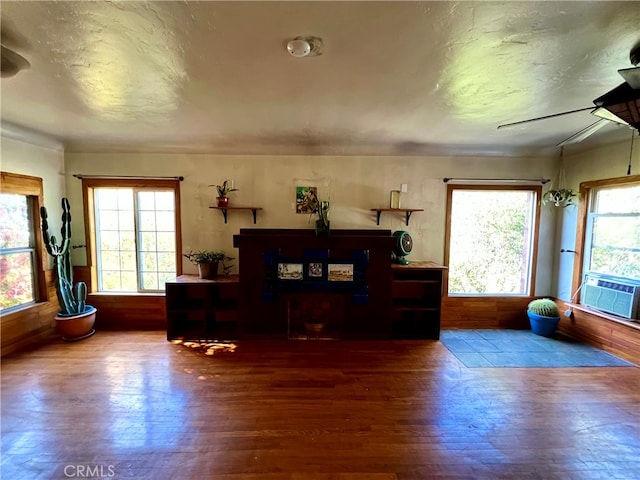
{"points": [[304, 46]]}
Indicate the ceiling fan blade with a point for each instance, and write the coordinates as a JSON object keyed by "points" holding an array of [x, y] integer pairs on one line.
{"points": [[10, 36], [11, 62], [631, 76], [505, 125], [584, 133]]}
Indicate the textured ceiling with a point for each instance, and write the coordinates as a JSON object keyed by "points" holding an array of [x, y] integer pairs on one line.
{"points": [[393, 78]]}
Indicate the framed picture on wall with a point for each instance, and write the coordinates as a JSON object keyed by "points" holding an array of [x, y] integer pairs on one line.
{"points": [[303, 199], [315, 269], [289, 271], [340, 272]]}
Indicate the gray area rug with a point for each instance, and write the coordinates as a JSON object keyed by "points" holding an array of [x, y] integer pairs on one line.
{"points": [[523, 348]]}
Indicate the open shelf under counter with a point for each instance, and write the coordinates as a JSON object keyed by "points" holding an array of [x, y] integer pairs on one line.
{"points": [[202, 309], [416, 298]]}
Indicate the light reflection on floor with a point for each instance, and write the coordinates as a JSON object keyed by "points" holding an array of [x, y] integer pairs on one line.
{"points": [[207, 347], [137, 399]]}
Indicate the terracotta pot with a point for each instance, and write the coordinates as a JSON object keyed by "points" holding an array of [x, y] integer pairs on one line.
{"points": [[223, 201], [208, 270], [314, 329], [77, 327]]}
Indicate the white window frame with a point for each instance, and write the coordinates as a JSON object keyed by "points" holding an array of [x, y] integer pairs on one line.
{"points": [[137, 185]]}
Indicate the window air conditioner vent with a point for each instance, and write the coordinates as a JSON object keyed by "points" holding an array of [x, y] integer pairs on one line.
{"points": [[612, 295]]}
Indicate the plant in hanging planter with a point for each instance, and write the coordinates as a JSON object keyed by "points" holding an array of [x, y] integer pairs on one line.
{"points": [[208, 261], [544, 316], [560, 198], [75, 319], [223, 192]]}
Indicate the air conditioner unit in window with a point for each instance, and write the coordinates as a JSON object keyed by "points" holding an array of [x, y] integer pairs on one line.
{"points": [[612, 295]]}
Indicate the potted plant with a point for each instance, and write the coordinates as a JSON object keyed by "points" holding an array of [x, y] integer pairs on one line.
{"points": [[76, 319], [543, 316], [208, 261], [223, 193], [314, 327], [321, 208], [560, 198]]}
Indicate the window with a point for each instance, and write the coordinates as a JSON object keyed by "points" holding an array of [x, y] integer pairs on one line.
{"points": [[135, 247], [491, 239], [612, 238], [21, 272]]}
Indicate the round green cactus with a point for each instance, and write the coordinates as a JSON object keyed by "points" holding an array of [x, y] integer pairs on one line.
{"points": [[544, 307]]}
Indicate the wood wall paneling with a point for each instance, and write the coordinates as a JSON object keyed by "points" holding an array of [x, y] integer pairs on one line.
{"points": [[32, 325], [619, 337], [485, 312], [129, 312]]}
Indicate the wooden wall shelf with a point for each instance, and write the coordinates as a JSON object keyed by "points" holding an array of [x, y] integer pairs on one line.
{"points": [[406, 211], [254, 210]]}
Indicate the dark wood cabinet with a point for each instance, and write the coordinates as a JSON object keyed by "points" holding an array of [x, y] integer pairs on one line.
{"points": [[416, 298], [199, 309], [399, 301], [272, 303]]}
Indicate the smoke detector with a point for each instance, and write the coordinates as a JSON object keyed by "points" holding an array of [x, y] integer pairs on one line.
{"points": [[304, 46]]}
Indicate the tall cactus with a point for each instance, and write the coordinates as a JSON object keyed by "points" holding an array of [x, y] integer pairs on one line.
{"points": [[71, 303]]}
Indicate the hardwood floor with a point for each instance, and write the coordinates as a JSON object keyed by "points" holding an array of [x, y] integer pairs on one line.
{"points": [[131, 405]]}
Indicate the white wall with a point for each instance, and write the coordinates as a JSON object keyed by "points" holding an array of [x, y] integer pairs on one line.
{"points": [[353, 184], [47, 162], [607, 161]]}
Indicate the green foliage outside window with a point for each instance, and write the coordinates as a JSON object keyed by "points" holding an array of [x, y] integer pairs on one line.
{"points": [[490, 242], [16, 252], [136, 239], [615, 227]]}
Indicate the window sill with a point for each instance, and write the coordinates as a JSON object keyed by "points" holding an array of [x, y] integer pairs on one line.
{"points": [[126, 294], [21, 309], [488, 295], [606, 316]]}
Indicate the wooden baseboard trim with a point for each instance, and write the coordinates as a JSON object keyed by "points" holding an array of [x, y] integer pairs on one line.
{"points": [[29, 341]]}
